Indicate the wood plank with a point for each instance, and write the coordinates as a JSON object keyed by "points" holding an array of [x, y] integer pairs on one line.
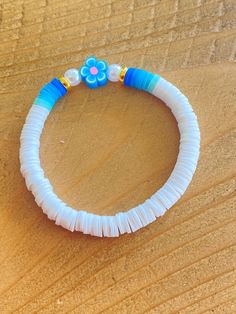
{"points": [[108, 150]]}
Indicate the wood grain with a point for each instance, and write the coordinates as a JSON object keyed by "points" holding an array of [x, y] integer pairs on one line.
{"points": [[108, 150]]}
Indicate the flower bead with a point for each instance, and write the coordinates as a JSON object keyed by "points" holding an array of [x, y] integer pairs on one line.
{"points": [[94, 72]]}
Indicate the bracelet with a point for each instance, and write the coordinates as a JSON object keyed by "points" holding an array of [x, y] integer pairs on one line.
{"points": [[96, 73]]}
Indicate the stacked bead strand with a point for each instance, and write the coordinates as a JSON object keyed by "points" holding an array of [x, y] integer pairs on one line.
{"points": [[95, 74]]}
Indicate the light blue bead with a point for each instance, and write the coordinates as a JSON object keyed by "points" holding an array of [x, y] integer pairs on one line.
{"points": [[43, 103], [49, 94], [153, 83]]}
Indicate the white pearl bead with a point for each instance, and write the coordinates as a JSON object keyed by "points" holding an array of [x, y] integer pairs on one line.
{"points": [[113, 72], [73, 76]]}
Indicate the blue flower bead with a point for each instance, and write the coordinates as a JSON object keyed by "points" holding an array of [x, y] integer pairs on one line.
{"points": [[94, 72]]}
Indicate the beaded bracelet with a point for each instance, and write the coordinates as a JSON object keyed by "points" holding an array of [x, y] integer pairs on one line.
{"points": [[95, 73]]}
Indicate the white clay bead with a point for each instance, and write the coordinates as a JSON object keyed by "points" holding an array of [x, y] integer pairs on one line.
{"points": [[113, 72], [73, 76]]}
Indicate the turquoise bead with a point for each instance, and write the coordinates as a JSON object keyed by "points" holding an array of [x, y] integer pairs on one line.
{"points": [[49, 94]]}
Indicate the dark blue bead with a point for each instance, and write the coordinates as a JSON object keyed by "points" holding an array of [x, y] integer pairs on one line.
{"points": [[59, 85]]}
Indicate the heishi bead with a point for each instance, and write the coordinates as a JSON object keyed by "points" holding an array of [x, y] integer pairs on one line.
{"points": [[95, 73], [113, 72], [73, 76]]}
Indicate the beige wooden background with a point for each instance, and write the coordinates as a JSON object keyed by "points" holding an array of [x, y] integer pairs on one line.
{"points": [[108, 150]]}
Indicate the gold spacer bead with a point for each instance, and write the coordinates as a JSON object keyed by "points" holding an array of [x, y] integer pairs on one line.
{"points": [[122, 74], [65, 82]]}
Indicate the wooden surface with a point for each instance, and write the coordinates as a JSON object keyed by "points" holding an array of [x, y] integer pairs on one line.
{"points": [[110, 149]]}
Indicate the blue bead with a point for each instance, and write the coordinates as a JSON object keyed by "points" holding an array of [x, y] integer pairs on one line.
{"points": [[50, 93], [91, 81], [101, 78], [59, 85], [128, 75], [94, 72], [90, 61], [140, 79]]}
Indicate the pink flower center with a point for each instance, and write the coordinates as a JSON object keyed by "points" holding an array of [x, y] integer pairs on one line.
{"points": [[93, 70]]}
